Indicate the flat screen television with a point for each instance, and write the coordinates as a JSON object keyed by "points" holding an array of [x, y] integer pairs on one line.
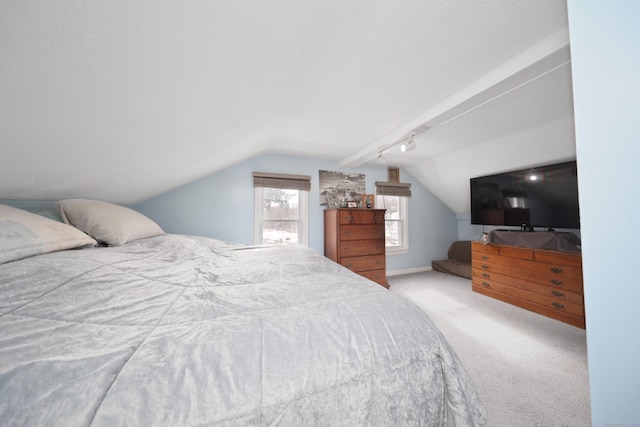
{"points": [[545, 196]]}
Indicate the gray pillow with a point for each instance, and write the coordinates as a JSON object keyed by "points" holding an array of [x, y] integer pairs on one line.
{"points": [[24, 234], [106, 222]]}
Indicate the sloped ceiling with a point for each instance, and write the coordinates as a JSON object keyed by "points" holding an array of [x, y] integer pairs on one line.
{"points": [[124, 100]]}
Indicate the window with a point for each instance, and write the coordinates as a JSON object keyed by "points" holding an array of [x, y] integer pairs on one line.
{"points": [[394, 197], [281, 208], [396, 223]]}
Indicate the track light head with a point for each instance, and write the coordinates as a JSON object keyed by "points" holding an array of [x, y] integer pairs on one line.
{"points": [[408, 146]]}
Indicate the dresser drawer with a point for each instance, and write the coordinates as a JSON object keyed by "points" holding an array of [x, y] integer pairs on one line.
{"points": [[553, 313], [526, 267], [351, 248], [364, 263], [517, 253], [487, 249], [378, 276], [561, 293], [568, 279], [549, 302], [504, 255], [485, 256], [524, 258], [548, 262], [361, 232], [361, 216], [559, 259]]}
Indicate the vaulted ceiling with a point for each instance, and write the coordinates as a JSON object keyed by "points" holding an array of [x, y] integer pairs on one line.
{"points": [[124, 100]]}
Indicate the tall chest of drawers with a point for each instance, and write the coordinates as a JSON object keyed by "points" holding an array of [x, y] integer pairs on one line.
{"points": [[355, 238], [542, 281]]}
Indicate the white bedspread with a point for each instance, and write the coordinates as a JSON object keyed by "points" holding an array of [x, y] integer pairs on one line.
{"points": [[177, 331]]}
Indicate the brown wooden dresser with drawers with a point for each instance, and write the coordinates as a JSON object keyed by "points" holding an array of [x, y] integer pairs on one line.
{"points": [[543, 281], [355, 238]]}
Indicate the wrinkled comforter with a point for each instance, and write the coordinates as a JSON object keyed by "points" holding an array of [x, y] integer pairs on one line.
{"points": [[180, 330]]}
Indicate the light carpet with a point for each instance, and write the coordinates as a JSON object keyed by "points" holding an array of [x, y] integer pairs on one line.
{"points": [[529, 370]]}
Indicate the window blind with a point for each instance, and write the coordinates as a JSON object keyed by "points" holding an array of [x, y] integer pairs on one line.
{"points": [[282, 180], [393, 189]]}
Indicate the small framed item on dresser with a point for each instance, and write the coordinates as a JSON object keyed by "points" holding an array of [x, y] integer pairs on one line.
{"points": [[368, 201]]}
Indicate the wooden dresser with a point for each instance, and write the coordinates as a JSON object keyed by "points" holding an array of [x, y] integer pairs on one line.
{"points": [[355, 238], [545, 282]]}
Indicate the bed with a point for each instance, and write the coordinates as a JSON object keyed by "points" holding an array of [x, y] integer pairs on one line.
{"points": [[179, 330]]}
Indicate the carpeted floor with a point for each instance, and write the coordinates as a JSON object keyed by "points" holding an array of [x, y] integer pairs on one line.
{"points": [[529, 370]]}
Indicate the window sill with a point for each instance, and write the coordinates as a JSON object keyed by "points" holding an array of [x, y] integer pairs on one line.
{"points": [[397, 251]]}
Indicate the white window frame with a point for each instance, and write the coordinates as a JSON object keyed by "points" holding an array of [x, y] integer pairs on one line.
{"points": [[403, 206], [303, 215]]}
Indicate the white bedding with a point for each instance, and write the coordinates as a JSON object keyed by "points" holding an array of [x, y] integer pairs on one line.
{"points": [[178, 330]]}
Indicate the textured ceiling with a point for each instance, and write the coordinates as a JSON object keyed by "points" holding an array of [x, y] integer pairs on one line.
{"points": [[123, 100]]}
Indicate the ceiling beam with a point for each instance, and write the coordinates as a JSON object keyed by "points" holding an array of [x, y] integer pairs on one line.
{"points": [[532, 63]]}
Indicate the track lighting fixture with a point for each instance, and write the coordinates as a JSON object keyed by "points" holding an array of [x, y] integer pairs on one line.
{"points": [[380, 158], [405, 142], [408, 146]]}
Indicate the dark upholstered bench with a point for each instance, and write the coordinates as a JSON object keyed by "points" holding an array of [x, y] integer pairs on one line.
{"points": [[459, 261]]}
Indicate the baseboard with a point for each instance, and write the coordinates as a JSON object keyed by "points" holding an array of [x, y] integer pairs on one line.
{"points": [[408, 271]]}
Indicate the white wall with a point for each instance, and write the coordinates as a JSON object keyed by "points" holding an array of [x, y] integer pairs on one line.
{"points": [[221, 206], [447, 175], [606, 66]]}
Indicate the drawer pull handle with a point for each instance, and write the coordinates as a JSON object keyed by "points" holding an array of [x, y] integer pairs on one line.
{"points": [[556, 282], [557, 305], [348, 233], [349, 266], [556, 270], [485, 266], [486, 275], [486, 284], [557, 293], [485, 257]]}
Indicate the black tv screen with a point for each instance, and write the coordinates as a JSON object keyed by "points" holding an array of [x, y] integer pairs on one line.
{"points": [[545, 196]]}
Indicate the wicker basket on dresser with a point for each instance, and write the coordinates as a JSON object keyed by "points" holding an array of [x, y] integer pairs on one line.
{"points": [[355, 238], [542, 281]]}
